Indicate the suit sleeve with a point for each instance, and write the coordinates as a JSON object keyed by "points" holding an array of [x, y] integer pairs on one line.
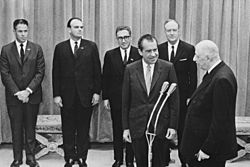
{"points": [[223, 114], [174, 101], [56, 73], [125, 99], [97, 70], [106, 76], [40, 70], [6, 77], [192, 73]]}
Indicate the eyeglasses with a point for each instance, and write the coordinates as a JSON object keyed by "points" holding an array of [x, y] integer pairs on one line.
{"points": [[123, 38]]}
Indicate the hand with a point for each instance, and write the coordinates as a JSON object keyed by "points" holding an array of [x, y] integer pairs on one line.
{"points": [[23, 95], [188, 99], [106, 104], [170, 133], [126, 136], [201, 155], [58, 101], [95, 99]]}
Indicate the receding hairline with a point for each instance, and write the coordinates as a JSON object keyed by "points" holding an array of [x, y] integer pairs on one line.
{"points": [[172, 20], [208, 46]]}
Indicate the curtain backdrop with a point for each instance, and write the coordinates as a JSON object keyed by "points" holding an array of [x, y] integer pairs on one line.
{"points": [[227, 22]]}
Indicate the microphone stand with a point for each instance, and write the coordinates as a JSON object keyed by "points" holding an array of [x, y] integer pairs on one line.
{"points": [[151, 136]]}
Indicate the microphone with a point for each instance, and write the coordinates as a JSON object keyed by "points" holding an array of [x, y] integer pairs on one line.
{"points": [[171, 88], [164, 86]]}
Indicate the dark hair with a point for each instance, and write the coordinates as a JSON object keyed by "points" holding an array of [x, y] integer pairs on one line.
{"points": [[19, 21], [147, 37], [120, 28], [73, 18], [168, 20]]}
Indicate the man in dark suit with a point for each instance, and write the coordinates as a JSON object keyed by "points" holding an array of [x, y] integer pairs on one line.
{"points": [[76, 79], [115, 61], [142, 83], [22, 71], [209, 136], [181, 55]]}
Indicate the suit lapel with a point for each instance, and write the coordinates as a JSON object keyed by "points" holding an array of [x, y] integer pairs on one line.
{"points": [[15, 53], [131, 58], [140, 76], [156, 75], [27, 51], [166, 54], [207, 80], [179, 52], [118, 61]]}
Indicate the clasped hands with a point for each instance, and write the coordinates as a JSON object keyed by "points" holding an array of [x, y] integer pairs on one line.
{"points": [[94, 101], [23, 96]]}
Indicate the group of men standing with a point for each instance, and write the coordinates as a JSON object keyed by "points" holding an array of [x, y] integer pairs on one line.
{"points": [[202, 118]]}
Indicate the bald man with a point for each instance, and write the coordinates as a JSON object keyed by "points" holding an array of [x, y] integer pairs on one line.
{"points": [[209, 136]]}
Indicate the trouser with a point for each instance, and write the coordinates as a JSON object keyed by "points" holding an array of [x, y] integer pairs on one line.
{"points": [[75, 130], [23, 119]]}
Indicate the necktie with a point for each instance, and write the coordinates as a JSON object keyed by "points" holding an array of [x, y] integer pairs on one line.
{"points": [[205, 76], [22, 52], [172, 54], [75, 49], [148, 78], [125, 57]]}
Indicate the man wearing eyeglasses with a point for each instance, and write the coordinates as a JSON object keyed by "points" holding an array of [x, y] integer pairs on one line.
{"points": [[115, 61]]}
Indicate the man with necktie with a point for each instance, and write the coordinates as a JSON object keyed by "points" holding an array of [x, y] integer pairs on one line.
{"points": [[141, 87], [209, 136], [181, 55], [115, 61], [22, 71], [76, 77]]}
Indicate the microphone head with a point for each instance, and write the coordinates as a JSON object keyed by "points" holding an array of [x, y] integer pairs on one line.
{"points": [[164, 86], [172, 88]]}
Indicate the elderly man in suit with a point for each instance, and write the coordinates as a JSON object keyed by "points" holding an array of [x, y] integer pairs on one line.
{"points": [[115, 61], [76, 79], [22, 72], [142, 83], [209, 136], [181, 55]]}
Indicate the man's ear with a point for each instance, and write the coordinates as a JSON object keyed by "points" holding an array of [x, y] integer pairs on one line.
{"points": [[140, 52]]}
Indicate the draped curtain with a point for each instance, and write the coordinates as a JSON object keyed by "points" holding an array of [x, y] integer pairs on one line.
{"points": [[226, 22]]}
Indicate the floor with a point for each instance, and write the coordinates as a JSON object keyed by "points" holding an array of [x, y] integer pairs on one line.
{"points": [[100, 155]]}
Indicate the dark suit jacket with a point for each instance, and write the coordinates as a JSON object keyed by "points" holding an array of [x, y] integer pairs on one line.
{"points": [[113, 72], [210, 120], [137, 105], [185, 67], [81, 75], [17, 76]]}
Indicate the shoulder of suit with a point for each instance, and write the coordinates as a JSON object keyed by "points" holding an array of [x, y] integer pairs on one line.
{"points": [[186, 45], [162, 44], [133, 64], [88, 42], [164, 62]]}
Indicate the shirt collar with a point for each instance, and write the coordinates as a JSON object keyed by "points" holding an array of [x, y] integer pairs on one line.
{"points": [[18, 44], [175, 45], [72, 42], [144, 64], [123, 50], [213, 66]]}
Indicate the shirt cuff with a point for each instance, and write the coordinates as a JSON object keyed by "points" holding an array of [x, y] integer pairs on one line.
{"points": [[29, 90]]}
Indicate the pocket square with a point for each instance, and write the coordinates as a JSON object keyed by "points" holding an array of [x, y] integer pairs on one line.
{"points": [[183, 59]]}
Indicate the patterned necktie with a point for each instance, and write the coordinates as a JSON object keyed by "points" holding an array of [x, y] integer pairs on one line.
{"points": [[125, 57], [172, 54], [148, 78], [75, 49], [22, 52]]}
